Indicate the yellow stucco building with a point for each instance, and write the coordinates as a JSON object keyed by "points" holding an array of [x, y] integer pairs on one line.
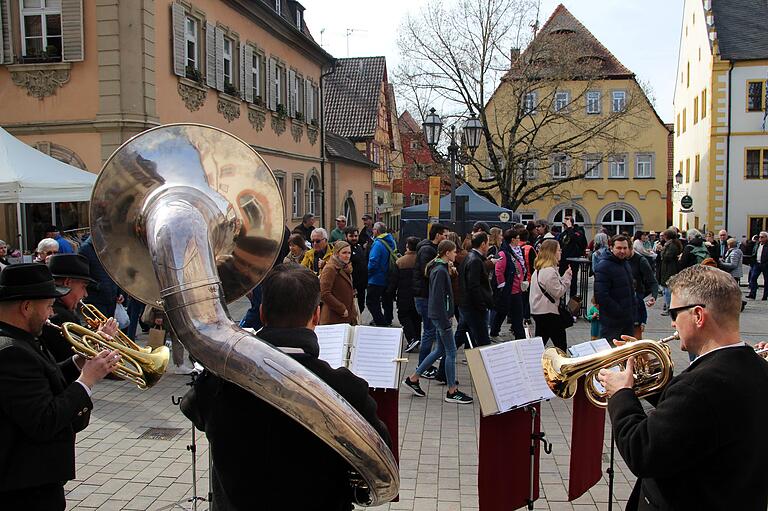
{"points": [[721, 142], [624, 166]]}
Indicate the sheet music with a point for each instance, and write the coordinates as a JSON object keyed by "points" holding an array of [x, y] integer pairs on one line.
{"points": [[333, 340], [374, 350], [515, 372], [589, 348]]}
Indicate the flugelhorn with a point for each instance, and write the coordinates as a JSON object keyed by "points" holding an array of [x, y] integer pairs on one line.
{"points": [[142, 368], [653, 368], [95, 318]]}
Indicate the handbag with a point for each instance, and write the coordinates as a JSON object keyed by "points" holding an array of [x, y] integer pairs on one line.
{"points": [[566, 318]]}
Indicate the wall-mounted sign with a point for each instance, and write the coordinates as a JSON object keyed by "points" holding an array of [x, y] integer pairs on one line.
{"points": [[504, 217], [686, 202]]}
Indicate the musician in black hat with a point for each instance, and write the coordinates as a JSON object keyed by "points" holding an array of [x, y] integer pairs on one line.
{"points": [[42, 403], [72, 271]]}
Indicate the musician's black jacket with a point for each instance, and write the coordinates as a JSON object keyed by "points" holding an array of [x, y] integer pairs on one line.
{"points": [[702, 447], [41, 409], [52, 338], [263, 460]]}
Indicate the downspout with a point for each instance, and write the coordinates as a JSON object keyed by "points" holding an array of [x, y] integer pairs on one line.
{"points": [[728, 150], [321, 100]]}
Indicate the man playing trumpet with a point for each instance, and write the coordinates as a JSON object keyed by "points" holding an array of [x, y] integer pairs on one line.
{"points": [[42, 403], [700, 448], [71, 271]]}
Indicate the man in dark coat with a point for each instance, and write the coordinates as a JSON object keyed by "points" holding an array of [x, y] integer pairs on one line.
{"points": [[106, 295], [359, 262], [401, 286], [426, 250], [573, 242], [475, 285], [366, 232], [262, 459], [71, 271], [615, 291], [697, 449], [306, 226], [42, 403]]}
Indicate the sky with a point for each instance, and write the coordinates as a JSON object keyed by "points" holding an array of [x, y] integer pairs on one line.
{"points": [[643, 34]]}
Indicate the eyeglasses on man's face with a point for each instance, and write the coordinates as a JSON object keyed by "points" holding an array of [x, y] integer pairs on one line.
{"points": [[675, 311], [314, 242], [51, 252]]}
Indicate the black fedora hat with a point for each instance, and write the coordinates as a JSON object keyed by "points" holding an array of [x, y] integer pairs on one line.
{"points": [[29, 281], [70, 266]]}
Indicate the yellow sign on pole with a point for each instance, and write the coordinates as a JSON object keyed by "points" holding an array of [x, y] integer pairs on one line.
{"points": [[434, 201]]}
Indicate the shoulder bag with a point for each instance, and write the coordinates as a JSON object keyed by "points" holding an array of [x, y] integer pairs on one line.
{"points": [[566, 318]]}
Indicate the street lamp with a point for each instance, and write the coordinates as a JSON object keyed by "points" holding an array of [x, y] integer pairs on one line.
{"points": [[679, 178], [471, 134]]}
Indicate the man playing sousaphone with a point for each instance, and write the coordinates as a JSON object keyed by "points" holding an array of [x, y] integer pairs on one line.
{"points": [[701, 447], [42, 403], [72, 271]]}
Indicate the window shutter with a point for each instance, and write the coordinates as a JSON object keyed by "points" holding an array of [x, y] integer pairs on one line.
{"points": [[6, 50], [242, 70], [220, 59], [291, 91], [272, 83], [179, 39], [307, 100], [210, 55], [247, 71], [72, 31]]}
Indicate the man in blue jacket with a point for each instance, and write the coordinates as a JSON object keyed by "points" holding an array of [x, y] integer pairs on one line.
{"points": [[382, 252], [615, 291]]}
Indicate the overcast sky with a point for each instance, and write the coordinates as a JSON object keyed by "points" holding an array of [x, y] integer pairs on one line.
{"points": [[644, 36]]}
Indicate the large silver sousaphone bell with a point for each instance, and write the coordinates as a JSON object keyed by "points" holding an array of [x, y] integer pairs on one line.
{"points": [[188, 218]]}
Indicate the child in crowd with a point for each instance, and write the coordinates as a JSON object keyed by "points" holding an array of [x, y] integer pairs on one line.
{"points": [[593, 316]]}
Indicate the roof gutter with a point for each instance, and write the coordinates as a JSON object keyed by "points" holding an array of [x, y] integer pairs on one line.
{"points": [[728, 150], [323, 156]]}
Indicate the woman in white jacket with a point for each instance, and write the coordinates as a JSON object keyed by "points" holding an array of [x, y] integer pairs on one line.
{"points": [[547, 288]]}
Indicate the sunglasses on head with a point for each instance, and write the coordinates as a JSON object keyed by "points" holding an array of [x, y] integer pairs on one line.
{"points": [[674, 311]]}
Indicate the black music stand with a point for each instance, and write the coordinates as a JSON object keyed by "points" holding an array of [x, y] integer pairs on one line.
{"points": [[535, 439], [192, 448]]}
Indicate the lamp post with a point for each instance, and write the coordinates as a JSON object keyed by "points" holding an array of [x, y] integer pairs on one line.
{"points": [[472, 131]]}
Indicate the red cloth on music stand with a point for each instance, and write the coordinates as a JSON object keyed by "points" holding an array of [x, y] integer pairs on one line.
{"points": [[587, 434], [387, 402], [503, 478]]}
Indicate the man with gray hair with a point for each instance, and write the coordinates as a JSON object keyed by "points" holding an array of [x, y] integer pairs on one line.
{"points": [[697, 449], [759, 266], [383, 254], [315, 257]]}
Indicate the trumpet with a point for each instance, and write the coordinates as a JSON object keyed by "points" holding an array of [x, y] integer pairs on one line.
{"points": [[653, 368], [142, 368], [95, 318]]}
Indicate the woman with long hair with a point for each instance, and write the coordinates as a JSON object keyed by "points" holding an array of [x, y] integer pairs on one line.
{"points": [[440, 311], [336, 290], [494, 242], [547, 288]]}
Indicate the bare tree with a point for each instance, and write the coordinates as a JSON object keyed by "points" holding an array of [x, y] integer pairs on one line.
{"points": [[466, 57]]}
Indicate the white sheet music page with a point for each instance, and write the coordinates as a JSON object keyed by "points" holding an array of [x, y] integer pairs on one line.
{"points": [[503, 365], [589, 348], [374, 350], [532, 351], [333, 340]]}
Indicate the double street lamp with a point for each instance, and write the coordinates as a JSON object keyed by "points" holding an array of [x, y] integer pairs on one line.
{"points": [[471, 134]]}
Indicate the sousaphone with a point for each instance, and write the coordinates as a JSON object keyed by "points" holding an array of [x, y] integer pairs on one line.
{"points": [[188, 218]]}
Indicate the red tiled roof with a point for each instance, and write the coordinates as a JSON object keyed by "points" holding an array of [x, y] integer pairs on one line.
{"points": [[563, 24]]}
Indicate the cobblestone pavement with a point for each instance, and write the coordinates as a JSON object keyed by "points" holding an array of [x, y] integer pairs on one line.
{"points": [[117, 469]]}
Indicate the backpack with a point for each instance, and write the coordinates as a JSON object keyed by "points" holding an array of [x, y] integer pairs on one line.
{"points": [[394, 255]]}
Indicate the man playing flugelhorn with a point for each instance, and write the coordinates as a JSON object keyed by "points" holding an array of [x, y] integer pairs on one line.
{"points": [[700, 448], [72, 271]]}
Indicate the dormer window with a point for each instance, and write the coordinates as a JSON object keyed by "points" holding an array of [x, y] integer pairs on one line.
{"points": [[298, 19], [278, 7]]}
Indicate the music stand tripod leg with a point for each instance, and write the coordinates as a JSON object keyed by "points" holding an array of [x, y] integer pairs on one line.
{"points": [[192, 448], [610, 475]]}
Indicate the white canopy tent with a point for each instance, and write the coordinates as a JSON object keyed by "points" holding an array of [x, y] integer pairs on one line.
{"points": [[28, 176]]}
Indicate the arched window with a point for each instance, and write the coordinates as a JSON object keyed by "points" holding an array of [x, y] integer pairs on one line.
{"points": [[313, 195], [349, 211], [618, 220], [571, 212]]}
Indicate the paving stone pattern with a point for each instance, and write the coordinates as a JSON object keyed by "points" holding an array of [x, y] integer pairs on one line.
{"points": [[438, 449]]}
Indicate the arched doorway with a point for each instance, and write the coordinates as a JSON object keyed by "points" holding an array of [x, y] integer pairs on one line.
{"points": [[350, 211]]}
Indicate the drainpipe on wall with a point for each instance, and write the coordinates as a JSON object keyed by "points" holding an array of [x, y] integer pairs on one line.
{"points": [[728, 152], [321, 100]]}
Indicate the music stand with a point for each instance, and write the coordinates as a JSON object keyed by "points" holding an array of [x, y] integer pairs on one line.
{"points": [[535, 439], [192, 448]]}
